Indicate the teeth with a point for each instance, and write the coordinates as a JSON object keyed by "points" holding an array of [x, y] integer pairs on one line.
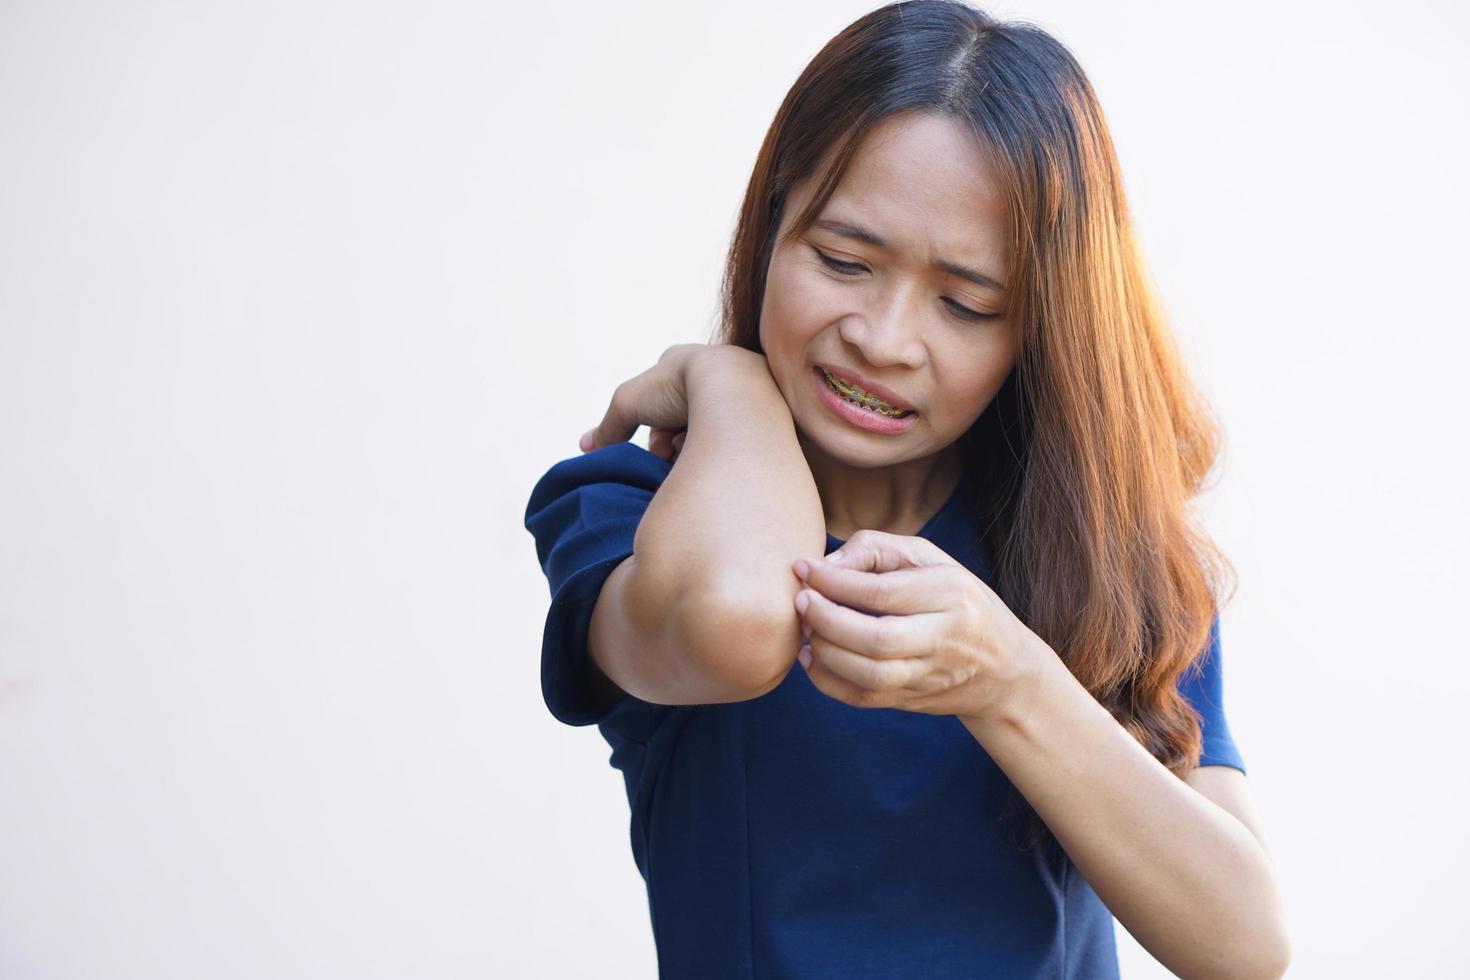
{"points": [[857, 396]]}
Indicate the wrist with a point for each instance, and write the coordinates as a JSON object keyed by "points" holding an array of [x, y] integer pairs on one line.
{"points": [[1032, 662], [723, 374], [719, 360]]}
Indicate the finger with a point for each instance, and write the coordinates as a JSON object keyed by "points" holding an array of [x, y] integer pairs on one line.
{"points": [[839, 688], [660, 443], [878, 551], [883, 637], [618, 423], [884, 676], [900, 592]]}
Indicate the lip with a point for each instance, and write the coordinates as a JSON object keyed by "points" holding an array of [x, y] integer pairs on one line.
{"points": [[871, 387], [860, 417]]}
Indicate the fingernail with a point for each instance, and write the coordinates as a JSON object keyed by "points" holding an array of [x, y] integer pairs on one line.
{"points": [[805, 656], [586, 441], [802, 601], [802, 568]]}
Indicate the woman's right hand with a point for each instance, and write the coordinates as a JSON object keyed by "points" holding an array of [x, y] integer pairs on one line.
{"points": [[656, 398]]}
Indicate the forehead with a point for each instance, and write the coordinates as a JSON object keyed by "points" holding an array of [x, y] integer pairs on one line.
{"points": [[922, 182]]}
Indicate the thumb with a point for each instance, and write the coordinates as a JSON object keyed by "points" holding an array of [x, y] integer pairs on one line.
{"points": [[878, 551], [618, 423]]}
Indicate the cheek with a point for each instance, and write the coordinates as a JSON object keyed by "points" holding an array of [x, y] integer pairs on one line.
{"points": [[777, 337], [785, 309], [975, 374]]}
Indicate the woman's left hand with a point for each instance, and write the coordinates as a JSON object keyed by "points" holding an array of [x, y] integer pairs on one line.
{"points": [[939, 640]]}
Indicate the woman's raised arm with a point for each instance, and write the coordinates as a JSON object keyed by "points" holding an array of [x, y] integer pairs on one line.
{"points": [[702, 612]]}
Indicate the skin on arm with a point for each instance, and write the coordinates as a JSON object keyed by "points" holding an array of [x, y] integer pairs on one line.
{"points": [[1226, 787], [701, 612], [1182, 863]]}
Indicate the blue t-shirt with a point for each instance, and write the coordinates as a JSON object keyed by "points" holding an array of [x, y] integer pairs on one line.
{"points": [[794, 836]]}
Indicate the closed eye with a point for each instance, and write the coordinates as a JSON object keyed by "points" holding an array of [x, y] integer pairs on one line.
{"points": [[855, 268], [846, 268]]}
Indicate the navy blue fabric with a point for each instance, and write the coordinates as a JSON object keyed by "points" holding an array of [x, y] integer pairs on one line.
{"points": [[794, 836]]}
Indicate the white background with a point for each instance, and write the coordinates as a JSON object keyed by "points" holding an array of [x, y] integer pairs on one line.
{"points": [[298, 299]]}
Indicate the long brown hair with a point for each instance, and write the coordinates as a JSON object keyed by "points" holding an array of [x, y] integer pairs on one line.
{"points": [[1095, 444]]}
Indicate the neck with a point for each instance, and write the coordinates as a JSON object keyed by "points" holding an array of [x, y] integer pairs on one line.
{"points": [[899, 498]]}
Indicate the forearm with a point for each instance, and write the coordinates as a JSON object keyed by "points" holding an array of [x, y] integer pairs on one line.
{"points": [[739, 506], [1186, 878]]}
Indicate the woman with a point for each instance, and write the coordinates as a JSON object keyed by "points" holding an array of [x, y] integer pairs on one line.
{"points": [[941, 458]]}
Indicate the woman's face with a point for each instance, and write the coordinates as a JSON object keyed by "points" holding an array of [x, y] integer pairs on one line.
{"points": [[891, 313]]}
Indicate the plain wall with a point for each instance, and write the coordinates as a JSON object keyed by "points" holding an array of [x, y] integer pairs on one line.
{"points": [[297, 300]]}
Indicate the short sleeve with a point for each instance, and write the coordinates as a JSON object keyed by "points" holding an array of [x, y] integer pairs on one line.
{"points": [[583, 514], [1202, 684]]}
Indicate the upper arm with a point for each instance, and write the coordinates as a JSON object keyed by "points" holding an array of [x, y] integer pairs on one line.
{"points": [[674, 642], [1226, 787], [1220, 776]]}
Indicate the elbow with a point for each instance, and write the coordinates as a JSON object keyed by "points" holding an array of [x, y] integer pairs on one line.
{"points": [[1275, 952], [773, 652], [1276, 965], [750, 642], [1273, 969], [1268, 959], [1261, 939], [1258, 948]]}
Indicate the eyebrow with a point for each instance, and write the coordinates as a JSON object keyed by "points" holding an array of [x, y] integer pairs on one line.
{"points": [[863, 235]]}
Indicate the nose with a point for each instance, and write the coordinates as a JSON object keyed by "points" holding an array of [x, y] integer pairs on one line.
{"points": [[888, 335]]}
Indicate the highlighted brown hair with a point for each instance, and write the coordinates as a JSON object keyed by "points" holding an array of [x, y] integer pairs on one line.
{"points": [[1095, 445]]}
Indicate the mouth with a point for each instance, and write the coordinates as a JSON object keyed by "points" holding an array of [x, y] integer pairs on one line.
{"points": [[862, 398]]}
